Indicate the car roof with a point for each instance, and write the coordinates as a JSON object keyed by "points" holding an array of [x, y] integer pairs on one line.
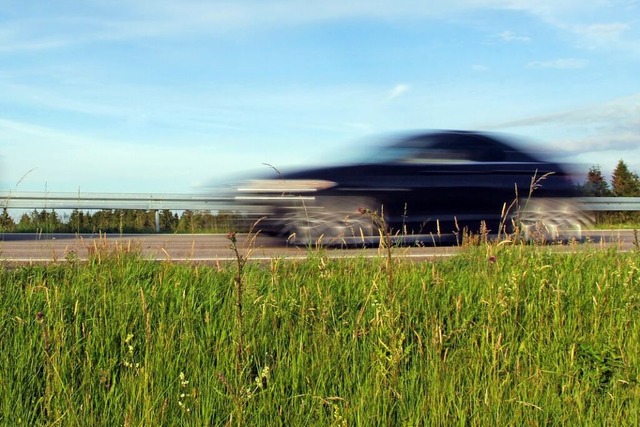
{"points": [[474, 145]]}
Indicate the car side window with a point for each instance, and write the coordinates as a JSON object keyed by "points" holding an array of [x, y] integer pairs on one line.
{"points": [[460, 152], [437, 155], [488, 154], [452, 148]]}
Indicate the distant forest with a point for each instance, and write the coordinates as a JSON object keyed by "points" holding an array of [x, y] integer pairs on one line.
{"points": [[121, 221]]}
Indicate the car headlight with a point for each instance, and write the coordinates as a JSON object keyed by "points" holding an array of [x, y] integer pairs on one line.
{"points": [[285, 186]]}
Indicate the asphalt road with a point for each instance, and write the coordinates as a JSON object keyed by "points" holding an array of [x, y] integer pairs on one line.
{"points": [[212, 248]]}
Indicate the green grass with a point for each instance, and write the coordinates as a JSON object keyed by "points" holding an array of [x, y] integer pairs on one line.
{"points": [[616, 226], [494, 336]]}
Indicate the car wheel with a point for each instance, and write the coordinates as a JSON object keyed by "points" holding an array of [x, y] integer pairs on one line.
{"points": [[547, 220], [330, 221]]}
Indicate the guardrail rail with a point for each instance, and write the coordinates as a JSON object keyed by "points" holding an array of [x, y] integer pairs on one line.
{"points": [[198, 202]]}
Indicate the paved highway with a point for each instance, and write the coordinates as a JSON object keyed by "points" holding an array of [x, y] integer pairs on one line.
{"points": [[18, 248], [211, 248]]}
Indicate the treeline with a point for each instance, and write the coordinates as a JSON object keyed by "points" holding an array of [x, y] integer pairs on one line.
{"points": [[624, 183], [121, 221]]}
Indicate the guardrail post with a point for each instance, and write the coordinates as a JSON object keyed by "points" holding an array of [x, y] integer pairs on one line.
{"points": [[157, 220]]}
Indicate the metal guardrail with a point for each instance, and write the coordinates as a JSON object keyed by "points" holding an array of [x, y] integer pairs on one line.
{"points": [[603, 204], [89, 201], [158, 202], [45, 200]]}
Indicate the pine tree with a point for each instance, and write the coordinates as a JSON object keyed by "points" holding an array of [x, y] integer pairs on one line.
{"points": [[595, 186], [7, 224], [624, 183]]}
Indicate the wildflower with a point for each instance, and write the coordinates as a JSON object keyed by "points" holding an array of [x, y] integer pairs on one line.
{"points": [[363, 211], [183, 381], [262, 379], [492, 259], [232, 236], [184, 397]]}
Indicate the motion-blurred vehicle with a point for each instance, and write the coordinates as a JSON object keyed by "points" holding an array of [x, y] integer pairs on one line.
{"points": [[430, 187]]}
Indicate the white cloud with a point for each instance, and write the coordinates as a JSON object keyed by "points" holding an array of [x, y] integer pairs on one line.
{"points": [[594, 23], [561, 64], [612, 127], [398, 90], [602, 35], [607, 31], [621, 112], [480, 68], [618, 143], [509, 36]]}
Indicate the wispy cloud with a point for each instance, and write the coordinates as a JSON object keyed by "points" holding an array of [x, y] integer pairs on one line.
{"points": [[120, 20], [509, 36], [610, 126], [398, 90], [602, 34], [610, 31], [560, 64], [597, 24], [479, 68], [620, 113], [617, 142]]}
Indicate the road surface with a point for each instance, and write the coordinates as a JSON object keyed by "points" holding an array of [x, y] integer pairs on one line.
{"points": [[25, 248]]}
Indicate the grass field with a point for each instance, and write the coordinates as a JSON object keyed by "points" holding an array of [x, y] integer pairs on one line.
{"points": [[494, 336]]}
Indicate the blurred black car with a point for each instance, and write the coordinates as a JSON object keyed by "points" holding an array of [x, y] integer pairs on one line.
{"points": [[431, 187]]}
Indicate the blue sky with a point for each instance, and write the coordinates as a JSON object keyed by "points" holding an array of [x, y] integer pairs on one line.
{"points": [[166, 96]]}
